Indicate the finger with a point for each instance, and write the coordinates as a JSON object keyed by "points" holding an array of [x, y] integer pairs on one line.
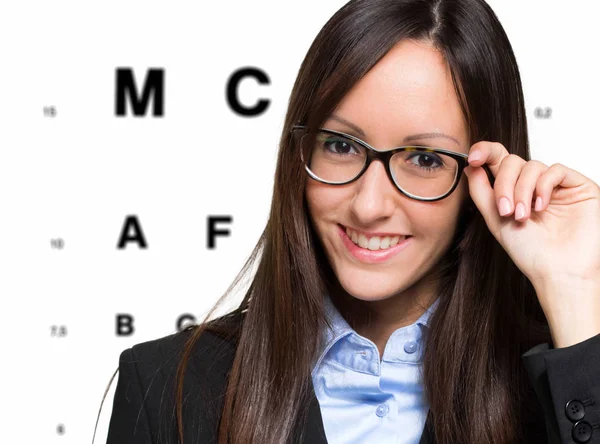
{"points": [[491, 153], [483, 196], [560, 175], [525, 187], [506, 180]]}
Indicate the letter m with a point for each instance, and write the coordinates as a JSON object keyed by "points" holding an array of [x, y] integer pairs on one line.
{"points": [[125, 87]]}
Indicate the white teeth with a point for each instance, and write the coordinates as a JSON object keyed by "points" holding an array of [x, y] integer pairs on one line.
{"points": [[362, 241], [385, 243], [374, 243]]}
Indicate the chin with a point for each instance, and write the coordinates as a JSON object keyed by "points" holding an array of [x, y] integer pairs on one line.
{"points": [[365, 289]]}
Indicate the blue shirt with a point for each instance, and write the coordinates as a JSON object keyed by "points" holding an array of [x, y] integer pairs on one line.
{"points": [[363, 399]]}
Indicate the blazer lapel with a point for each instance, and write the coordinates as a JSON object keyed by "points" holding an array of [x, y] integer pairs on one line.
{"points": [[314, 432]]}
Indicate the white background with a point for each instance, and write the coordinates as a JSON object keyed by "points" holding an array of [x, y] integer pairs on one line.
{"points": [[77, 176]]}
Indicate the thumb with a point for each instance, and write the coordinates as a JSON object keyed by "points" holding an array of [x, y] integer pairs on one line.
{"points": [[482, 195]]}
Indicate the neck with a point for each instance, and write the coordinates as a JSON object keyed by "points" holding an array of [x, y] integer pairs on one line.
{"points": [[376, 320]]}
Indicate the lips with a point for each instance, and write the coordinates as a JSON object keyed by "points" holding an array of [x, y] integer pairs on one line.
{"points": [[372, 256]]}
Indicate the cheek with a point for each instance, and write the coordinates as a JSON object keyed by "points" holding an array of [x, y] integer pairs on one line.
{"points": [[440, 220], [312, 199], [315, 203], [322, 200]]}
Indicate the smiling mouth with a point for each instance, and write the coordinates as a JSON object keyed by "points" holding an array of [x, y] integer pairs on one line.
{"points": [[373, 243], [373, 250]]}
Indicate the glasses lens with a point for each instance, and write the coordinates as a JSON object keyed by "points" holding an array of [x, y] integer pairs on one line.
{"points": [[334, 158], [424, 173], [338, 159]]}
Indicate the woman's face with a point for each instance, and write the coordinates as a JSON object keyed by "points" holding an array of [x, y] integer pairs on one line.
{"points": [[408, 92]]}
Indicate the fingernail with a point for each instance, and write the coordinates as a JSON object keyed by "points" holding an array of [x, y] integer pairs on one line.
{"points": [[520, 213], [538, 204], [475, 155], [504, 206]]}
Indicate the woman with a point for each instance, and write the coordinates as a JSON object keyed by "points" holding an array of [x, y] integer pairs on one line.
{"points": [[456, 319]]}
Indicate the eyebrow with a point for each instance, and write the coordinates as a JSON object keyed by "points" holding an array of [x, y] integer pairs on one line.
{"points": [[406, 139]]}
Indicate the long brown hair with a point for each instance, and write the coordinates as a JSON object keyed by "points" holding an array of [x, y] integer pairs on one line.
{"points": [[474, 380]]}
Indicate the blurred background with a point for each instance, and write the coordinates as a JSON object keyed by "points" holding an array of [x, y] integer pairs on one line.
{"points": [[128, 129]]}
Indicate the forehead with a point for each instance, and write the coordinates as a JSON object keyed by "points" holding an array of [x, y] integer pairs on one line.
{"points": [[408, 91]]}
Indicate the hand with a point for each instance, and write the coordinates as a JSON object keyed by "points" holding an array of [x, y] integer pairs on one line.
{"points": [[557, 242]]}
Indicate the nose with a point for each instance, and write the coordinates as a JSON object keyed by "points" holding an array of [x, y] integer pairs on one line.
{"points": [[375, 197]]}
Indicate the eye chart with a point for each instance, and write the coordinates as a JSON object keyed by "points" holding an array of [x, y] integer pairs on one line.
{"points": [[138, 144]]}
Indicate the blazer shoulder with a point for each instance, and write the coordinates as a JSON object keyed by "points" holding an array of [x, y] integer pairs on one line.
{"points": [[212, 352], [145, 397]]}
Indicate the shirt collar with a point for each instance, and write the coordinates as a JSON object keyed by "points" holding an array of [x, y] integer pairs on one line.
{"points": [[341, 328]]}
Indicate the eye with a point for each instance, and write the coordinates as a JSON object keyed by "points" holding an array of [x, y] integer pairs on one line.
{"points": [[424, 160], [341, 146]]}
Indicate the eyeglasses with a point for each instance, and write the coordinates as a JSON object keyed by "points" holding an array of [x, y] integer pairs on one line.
{"points": [[419, 172]]}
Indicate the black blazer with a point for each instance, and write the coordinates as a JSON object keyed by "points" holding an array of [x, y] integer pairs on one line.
{"points": [[566, 382]]}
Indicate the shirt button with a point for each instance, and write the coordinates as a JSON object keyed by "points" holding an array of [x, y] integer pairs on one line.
{"points": [[410, 346], [382, 410]]}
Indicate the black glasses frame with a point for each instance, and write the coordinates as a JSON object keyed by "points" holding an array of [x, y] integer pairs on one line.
{"points": [[385, 157]]}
